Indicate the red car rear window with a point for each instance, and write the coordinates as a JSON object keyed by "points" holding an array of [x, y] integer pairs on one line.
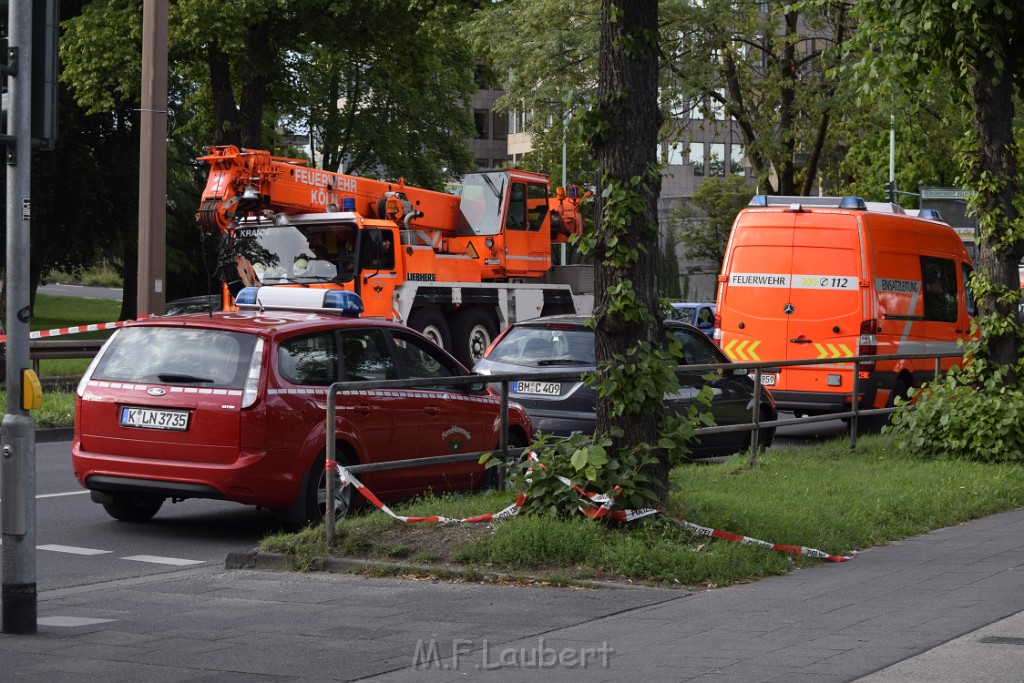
{"points": [[177, 355]]}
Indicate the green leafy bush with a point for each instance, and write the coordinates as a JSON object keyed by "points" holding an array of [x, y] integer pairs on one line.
{"points": [[586, 463], [953, 419]]}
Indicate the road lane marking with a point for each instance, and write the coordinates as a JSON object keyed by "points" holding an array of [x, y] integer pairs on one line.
{"points": [[72, 549], [156, 559], [70, 621]]}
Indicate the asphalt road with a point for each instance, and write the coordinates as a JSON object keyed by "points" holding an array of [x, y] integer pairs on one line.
{"points": [[79, 544], [108, 293]]}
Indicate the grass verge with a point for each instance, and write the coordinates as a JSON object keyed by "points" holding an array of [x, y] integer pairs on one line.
{"points": [[823, 497]]}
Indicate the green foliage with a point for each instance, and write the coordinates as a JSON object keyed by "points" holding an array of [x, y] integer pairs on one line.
{"points": [[719, 200], [57, 411], [586, 463], [981, 420]]}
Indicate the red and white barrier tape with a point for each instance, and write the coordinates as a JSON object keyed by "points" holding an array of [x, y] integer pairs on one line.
{"points": [[60, 331], [603, 508], [347, 478]]}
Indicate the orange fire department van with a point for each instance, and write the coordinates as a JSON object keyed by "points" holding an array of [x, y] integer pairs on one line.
{"points": [[832, 278]]}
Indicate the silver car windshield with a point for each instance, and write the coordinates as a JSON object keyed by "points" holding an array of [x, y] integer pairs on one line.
{"points": [[545, 347]]}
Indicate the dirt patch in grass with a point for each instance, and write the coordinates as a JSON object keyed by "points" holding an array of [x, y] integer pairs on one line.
{"points": [[418, 543], [432, 551]]}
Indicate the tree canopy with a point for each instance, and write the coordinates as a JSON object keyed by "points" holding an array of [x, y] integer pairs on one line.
{"points": [[977, 48]]}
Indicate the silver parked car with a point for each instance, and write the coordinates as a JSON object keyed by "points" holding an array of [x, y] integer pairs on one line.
{"points": [[560, 408]]}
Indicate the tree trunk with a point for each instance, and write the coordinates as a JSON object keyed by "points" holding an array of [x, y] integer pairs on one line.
{"points": [[254, 84], [787, 104], [626, 150], [995, 171], [225, 113]]}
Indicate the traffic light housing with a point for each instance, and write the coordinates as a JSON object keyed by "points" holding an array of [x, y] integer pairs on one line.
{"points": [[890, 191]]}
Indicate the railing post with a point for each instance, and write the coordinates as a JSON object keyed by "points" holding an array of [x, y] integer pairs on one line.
{"points": [[854, 426], [500, 479], [755, 440], [329, 462]]}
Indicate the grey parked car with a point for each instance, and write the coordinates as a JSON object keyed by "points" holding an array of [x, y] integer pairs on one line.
{"points": [[562, 407]]}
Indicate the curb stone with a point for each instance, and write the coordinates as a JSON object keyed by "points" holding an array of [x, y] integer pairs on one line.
{"points": [[257, 559]]}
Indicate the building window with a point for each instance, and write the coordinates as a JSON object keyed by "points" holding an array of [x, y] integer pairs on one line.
{"points": [[500, 125], [736, 159], [675, 154], [716, 159], [481, 163], [697, 158], [480, 117]]}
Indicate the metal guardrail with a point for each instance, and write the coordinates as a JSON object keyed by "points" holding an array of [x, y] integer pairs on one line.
{"points": [[53, 349], [755, 425]]}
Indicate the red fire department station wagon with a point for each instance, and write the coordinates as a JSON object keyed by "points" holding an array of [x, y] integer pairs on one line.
{"points": [[232, 406]]}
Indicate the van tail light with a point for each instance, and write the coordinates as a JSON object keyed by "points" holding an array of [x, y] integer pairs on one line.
{"points": [[252, 378], [717, 336], [867, 344]]}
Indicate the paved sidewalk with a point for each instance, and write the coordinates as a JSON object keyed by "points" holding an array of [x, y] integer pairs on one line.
{"points": [[906, 612]]}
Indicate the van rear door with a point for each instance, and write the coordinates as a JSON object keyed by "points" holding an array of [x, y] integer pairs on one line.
{"points": [[826, 300], [792, 292], [755, 290]]}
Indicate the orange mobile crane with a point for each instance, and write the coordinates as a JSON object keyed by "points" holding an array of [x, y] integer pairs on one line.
{"points": [[458, 268]]}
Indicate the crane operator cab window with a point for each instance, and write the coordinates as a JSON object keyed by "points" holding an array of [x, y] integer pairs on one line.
{"points": [[536, 206], [516, 217], [378, 250]]}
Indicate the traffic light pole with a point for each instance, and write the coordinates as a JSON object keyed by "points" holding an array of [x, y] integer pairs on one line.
{"points": [[18, 440]]}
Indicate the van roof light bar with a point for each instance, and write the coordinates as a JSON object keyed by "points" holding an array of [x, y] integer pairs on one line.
{"points": [[789, 201]]}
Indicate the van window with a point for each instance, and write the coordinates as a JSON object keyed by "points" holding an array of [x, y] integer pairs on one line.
{"points": [[972, 305], [310, 360], [939, 278]]}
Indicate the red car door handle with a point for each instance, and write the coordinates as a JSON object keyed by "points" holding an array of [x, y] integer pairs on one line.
{"points": [[362, 409], [431, 410]]}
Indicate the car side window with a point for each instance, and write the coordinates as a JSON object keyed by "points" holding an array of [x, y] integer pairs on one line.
{"points": [[366, 357], [420, 359], [697, 349], [309, 360]]}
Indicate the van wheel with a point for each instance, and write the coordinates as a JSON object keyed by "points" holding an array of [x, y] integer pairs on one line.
{"points": [[133, 507], [474, 330], [431, 324], [316, 491]]}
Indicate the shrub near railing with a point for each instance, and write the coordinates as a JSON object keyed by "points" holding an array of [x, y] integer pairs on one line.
{"points": [[951, 419]]}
